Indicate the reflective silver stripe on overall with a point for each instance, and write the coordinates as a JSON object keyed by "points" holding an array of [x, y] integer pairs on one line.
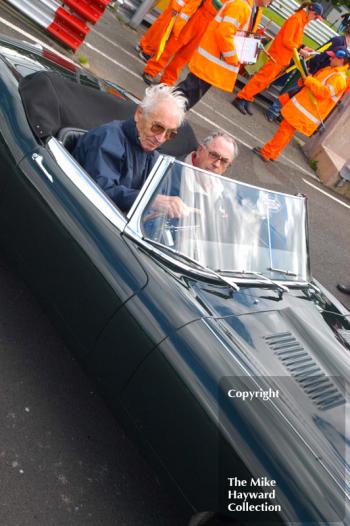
{"points": [[303, 110], [216, 60], [229, 53], [234, 21]]}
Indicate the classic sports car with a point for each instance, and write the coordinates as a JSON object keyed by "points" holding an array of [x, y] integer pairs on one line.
{"points": [[206, 332]]}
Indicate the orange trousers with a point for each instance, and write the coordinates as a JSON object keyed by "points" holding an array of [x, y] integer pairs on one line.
{"points": [[283, 135], [172, 72], [151, 39], [181, 49], [260, 81]]}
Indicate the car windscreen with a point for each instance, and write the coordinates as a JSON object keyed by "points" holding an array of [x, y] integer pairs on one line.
{"points": [[228, 226]]}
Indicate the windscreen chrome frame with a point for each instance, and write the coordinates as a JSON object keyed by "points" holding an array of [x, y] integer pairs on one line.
{"points": [[81, 179], [146, 192]]}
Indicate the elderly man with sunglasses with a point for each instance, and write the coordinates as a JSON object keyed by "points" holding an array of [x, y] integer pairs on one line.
{"points": [[120, 155]]}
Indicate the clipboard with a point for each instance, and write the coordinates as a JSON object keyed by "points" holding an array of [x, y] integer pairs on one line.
{"points": [[247, 48]]}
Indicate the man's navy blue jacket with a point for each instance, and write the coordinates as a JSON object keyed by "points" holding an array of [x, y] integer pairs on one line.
{"points": [[113, 156]]}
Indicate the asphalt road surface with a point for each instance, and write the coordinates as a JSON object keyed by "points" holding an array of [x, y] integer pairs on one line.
{"points": [[64, 460]]}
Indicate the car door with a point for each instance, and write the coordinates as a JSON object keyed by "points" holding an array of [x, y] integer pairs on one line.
{"points": [[70, 251]]}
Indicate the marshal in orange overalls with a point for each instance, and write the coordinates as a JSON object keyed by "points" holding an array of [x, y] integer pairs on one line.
{"points": [[215, 60], [182, 47], [289, 37], [184, 10], [306, 111]]}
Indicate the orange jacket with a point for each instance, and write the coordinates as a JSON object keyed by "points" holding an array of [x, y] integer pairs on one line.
{"points": [[290, 36], [304, 111], [215, 61]]}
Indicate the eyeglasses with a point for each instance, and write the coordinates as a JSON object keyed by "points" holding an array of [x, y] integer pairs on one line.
{"points": [[215, 156], [158, 129]]}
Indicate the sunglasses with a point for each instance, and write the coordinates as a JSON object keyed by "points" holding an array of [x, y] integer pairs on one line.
{"points": [[215, 156], [158, 129]]}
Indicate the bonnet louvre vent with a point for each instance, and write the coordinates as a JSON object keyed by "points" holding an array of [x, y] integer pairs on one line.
{"points": [[319, 387]]}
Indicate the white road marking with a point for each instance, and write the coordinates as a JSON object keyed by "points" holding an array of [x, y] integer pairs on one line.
{"points": [[132, 55], [125, 68], [327, 194]]}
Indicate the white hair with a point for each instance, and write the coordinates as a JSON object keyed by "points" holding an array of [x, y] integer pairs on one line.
{"points": [[205, 142], [160, 93]]}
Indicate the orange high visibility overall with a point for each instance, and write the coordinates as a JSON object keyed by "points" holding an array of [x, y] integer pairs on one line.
{"points": [[215, 60], [151, 39], [290, 36], [305, 112], [182, 47]]}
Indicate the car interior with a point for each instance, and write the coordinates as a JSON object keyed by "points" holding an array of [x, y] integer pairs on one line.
{"points": [[57, 106]]}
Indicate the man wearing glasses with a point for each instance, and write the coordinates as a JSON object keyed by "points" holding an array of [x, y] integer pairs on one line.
{"points": [[120, 155], [191, 199], [214, 154]]}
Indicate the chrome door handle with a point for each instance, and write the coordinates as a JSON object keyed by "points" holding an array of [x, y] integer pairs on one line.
{"points": [[40, 162]]}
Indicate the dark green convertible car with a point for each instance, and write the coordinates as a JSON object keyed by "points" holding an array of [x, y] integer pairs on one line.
{"points": [[207, 334]]}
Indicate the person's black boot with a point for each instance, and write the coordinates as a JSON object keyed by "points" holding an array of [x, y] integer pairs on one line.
{"points": [[151, 81], [257, 152], [248, 107], [240, 104], [270, 116]]}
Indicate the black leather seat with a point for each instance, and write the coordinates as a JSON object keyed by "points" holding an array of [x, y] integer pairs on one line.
{"points": [[69, 137]]}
